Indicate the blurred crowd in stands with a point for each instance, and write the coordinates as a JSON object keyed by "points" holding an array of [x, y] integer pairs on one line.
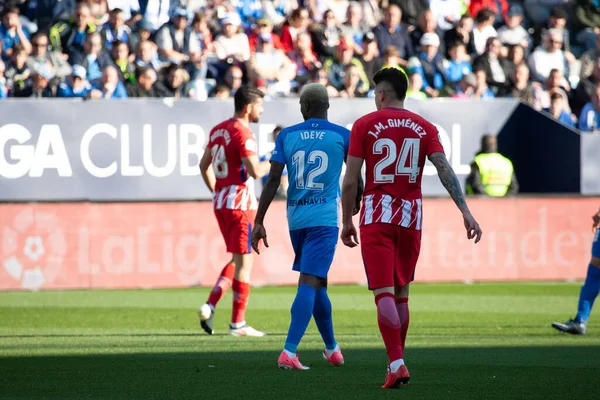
{"points": [[544, 52]]}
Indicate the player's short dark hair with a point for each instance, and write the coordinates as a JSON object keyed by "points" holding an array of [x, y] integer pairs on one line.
{"points": [[395, 78], [246, 95]]}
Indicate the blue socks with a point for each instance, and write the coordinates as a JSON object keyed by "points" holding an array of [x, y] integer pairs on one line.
{"points": [[302, 310], [322, 314], [588, 294]]}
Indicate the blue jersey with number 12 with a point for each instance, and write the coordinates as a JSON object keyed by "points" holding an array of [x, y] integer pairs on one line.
{"points": [[314, 153]]}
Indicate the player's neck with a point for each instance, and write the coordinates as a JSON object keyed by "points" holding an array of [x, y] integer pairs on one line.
{"points": [[317, 116], [242, 118], [394, 104]]}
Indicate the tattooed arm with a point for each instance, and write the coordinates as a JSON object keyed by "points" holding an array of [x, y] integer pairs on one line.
{"points": [[452, 185]]}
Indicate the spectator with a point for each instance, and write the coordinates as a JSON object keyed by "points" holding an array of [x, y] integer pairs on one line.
{"points": [[176, 42], [277, 11], [39, 85], [372, 14], [482, 91], [587, 20], [75, 85], [557, 20], [109, 86], [115, 29], [430, 64], [232, 45], [17, 72], [588, 60], [411, 10], [327, 35], [353, 86], [41, 56], [336, 65], [274, 67], [355, 27], [589, 120], [318, 8], [463, 32], [321, 76], [415, 87], [392, 33], [173, 83], [46, 12], [585, 90], [497, 7], [555, 83], [512, 32], [304, 58], [484, 29], [467, 87], [99, 10], [515, 57], [3, 87], [234, 78], [492, 174], [144, 85], [249, 11], [120, 56], [156, 13], [12, 33], [93, 58], [130, 9], [521, 88], [490, 62], [69, 36], [222, 92], [458, 66], [391, 58], [370, 57], [447, 12], [557, 110], [147, 55], [264, 30], [548, 56], [427, 24], [298, 23], [539, 11]]}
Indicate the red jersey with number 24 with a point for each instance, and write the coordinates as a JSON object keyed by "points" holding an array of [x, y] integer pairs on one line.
{"points": [[394, 143], [229, 142]]}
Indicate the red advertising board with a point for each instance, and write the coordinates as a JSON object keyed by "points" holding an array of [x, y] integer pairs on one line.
{"points": [[147, 245]]}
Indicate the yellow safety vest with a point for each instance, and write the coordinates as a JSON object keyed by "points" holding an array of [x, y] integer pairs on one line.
{"points": [[496, 173]]}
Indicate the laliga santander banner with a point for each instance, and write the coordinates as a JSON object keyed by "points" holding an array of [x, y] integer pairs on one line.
{"points": [[148, 245]]}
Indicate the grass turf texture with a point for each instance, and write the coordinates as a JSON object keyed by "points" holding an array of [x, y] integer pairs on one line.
{"points": [[482, 341]]}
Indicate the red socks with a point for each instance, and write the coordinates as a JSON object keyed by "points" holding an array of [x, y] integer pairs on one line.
{"points": [[389, 325], [222, 285], [241, 291], [402, 307]]}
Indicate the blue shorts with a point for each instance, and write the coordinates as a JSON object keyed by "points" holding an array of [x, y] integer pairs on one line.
{"points": [[314, 248], [596, 245]]}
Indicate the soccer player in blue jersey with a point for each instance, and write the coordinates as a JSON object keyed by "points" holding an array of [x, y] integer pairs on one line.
{"points": [[314, 152], [589, 290]]}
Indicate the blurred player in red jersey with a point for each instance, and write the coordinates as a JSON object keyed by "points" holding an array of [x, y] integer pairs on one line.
{"points": [[393, 143], [231, 151]]}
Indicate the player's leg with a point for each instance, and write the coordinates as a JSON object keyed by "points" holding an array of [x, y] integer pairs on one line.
{"points": [[378, 251], [239, 244], [323, 241], [403, 311], [587, 295], [206, 313]]}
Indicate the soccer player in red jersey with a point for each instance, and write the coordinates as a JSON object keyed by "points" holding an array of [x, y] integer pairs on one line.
{"points": [[231, 151], [393, 143]]}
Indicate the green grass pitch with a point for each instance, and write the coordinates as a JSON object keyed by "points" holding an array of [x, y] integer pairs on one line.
{"points": [[481, 341]]}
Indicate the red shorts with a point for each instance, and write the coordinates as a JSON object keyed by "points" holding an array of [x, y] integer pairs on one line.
{"points": [[236, 228], [390, 253]]}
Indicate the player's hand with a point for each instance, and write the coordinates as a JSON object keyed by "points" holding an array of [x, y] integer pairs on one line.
{"points": [[472, 227], [259, 232], [349, 235], [596, 219]]}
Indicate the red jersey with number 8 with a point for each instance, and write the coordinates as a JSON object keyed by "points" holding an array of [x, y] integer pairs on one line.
{"points": [[394, 143], [229, 142]]}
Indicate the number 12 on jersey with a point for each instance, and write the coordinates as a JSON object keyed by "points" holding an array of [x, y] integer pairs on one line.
{"points": [[314, 157], [407, 164]]}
